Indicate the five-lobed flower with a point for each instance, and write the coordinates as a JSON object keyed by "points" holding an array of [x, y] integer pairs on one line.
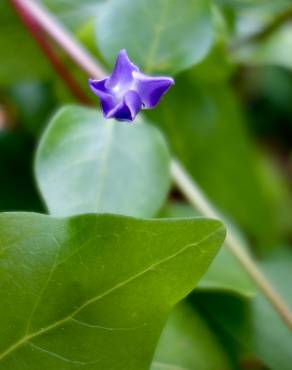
{"points": [[126, 91]]}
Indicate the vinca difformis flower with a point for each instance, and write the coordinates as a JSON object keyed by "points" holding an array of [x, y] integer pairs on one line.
{"points": [[126, 91]]}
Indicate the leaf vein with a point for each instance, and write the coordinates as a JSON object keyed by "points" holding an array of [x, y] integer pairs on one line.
{"points": [[42, 331], [94, 326], [60, 357], [157, 36], [47, 282]]}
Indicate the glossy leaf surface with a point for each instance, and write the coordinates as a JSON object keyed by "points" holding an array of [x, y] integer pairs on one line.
{"points": [[64, 304], [159, 35], [86, 163]]}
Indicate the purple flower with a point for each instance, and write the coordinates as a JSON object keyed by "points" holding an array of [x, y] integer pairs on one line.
{"points": [[126, 91]]}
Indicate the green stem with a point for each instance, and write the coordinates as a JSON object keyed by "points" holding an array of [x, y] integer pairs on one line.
{"points": [[184, 182]]}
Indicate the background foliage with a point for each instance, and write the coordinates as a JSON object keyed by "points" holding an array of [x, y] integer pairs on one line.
{"points": [[228, 120]]}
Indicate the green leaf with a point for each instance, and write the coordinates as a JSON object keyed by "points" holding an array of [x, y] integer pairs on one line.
{"points": [[226, 275], [159, 35], [255, 6], [178, 209], [19, 54], [216, 67], [218, 278], [65, 305], [213, 144], [187, 343], [254, 325], [273, 50], [101, 165], [76, 13]]}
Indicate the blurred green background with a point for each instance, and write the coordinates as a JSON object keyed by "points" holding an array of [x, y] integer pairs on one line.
{"points": [[228, 119]]}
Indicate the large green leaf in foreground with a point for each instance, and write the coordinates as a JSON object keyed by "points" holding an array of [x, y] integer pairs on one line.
{"points": [[86, 163], [94, 291]]}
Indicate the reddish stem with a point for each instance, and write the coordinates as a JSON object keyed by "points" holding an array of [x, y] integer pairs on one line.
{"points": [[36, 31]]}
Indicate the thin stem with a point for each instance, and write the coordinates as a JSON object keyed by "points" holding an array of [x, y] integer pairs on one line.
{"points": [[62, 37], [196, 197], [2, 118], [38, 34], [181, 178]]}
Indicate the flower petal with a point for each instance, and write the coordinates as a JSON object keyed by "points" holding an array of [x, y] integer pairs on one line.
{"points": [[107, 103], [124, 93], [107, 100], [128, 108], [98, 87], [134, 103], [122, 73], [151, 89]]}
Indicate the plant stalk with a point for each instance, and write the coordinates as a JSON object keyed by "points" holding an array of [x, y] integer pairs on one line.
{"points": [[181, 178], [198, 200], [40, 37]]}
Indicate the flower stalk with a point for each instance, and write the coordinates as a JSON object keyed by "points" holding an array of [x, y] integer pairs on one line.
{"points": [[183, 181]]}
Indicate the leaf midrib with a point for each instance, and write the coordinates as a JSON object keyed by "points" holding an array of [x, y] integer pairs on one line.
{"points": [[157, 36], [27, 338]]}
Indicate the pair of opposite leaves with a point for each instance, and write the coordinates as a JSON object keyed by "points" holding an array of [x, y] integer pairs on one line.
{"points": [[93, 291]]}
